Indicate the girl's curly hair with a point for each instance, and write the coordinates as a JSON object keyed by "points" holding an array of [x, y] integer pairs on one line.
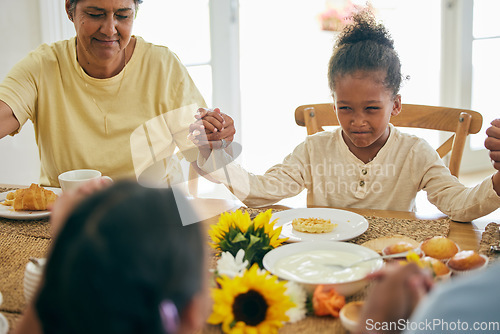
{"points": [[365, 45]]}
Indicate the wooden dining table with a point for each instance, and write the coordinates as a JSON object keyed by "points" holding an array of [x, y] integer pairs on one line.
{"points": [[466, 235]]}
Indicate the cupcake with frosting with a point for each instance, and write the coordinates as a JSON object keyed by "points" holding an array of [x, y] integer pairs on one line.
{"points": [[466, 261]]}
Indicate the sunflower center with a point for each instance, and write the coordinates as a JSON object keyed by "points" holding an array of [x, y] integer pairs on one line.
{"points": [[250, 307]]}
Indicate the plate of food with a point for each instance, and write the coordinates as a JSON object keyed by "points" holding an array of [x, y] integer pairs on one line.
{"points": [[28, 203], [319, 224]]}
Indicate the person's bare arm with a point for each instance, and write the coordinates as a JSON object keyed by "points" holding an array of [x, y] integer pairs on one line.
{"points": [[29, 322], [492, 143], [8, 122]]}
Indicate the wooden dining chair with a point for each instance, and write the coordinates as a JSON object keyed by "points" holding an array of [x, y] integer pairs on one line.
{"points": [[460, 122]]}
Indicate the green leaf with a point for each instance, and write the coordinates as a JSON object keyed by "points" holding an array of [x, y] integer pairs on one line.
{"points": [[254, 240], [238, 238]]}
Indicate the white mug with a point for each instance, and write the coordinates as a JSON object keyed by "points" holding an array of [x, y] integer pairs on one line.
{"points": [[75, 178], [32, 276]]}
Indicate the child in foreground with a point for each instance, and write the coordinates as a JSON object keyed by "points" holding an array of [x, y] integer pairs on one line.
{"points": [[367, 162], [122, 263]]}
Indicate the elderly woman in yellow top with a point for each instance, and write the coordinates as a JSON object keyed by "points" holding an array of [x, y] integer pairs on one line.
{"points": [[104, 99]]}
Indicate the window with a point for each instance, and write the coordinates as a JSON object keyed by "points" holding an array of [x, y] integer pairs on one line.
{"points": [[184, 27], [485, 51], [468, 77]]}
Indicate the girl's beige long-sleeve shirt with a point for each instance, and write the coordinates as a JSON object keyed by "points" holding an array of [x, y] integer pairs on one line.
{"points": [[333, 176]]}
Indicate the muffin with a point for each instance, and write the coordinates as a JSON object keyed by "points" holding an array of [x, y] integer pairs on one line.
{"points": [[466, 261], [398, 247], [440, 270], [440, 248]]}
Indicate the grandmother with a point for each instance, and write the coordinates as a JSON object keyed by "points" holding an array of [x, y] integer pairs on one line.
{"points": [[105, 99]]}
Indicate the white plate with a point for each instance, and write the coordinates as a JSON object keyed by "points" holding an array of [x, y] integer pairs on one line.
{"points": [[349, 224], [343, 286], [8, 211]]}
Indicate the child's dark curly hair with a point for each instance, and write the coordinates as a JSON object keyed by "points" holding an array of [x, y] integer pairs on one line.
{"points": [[365, 45]]}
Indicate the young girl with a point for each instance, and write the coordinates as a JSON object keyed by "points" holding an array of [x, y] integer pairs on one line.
{"points": [[366, 163], [122, 263]]}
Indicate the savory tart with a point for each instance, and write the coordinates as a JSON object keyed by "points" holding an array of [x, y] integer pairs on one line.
{"points": [[313, 225]]}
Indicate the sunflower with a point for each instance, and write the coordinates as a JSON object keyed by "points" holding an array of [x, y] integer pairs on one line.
{"points": [[236, 231], [228, 221], [253, 303]]}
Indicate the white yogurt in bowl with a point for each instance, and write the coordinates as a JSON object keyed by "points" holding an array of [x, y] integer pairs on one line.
{"points": [[307, 263]]}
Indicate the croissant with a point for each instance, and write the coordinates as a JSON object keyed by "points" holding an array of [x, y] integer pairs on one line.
{"points": [[34, 198]]}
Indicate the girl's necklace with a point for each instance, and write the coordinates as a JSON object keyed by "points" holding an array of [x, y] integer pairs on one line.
{"points": [[105, 114]]}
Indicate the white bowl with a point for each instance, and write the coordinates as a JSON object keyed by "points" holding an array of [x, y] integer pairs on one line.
{"points": [[306, 265], [4, 324], [349, 315]]}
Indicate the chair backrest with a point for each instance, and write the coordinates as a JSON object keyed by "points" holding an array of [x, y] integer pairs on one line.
{"points": [[460, 122]]}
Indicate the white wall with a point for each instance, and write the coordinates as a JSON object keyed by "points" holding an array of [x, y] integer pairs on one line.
{"points": [[19, 34]]}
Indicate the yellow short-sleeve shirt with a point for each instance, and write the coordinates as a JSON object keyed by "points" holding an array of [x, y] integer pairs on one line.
{"points": [[120, 125]]}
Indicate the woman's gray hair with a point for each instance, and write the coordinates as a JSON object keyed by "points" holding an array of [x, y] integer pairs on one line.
{"points": [[72, 4]]}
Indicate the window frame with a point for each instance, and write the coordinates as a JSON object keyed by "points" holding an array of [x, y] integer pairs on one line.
{"points": [[456, 70]]}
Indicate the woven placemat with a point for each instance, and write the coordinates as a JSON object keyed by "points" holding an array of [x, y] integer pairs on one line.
{"points": [[490, 237], [417, 229], [30, 228], [15, 251]]}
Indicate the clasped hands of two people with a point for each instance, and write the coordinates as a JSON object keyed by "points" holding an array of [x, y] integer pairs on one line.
{"points": [[211, 130]]}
